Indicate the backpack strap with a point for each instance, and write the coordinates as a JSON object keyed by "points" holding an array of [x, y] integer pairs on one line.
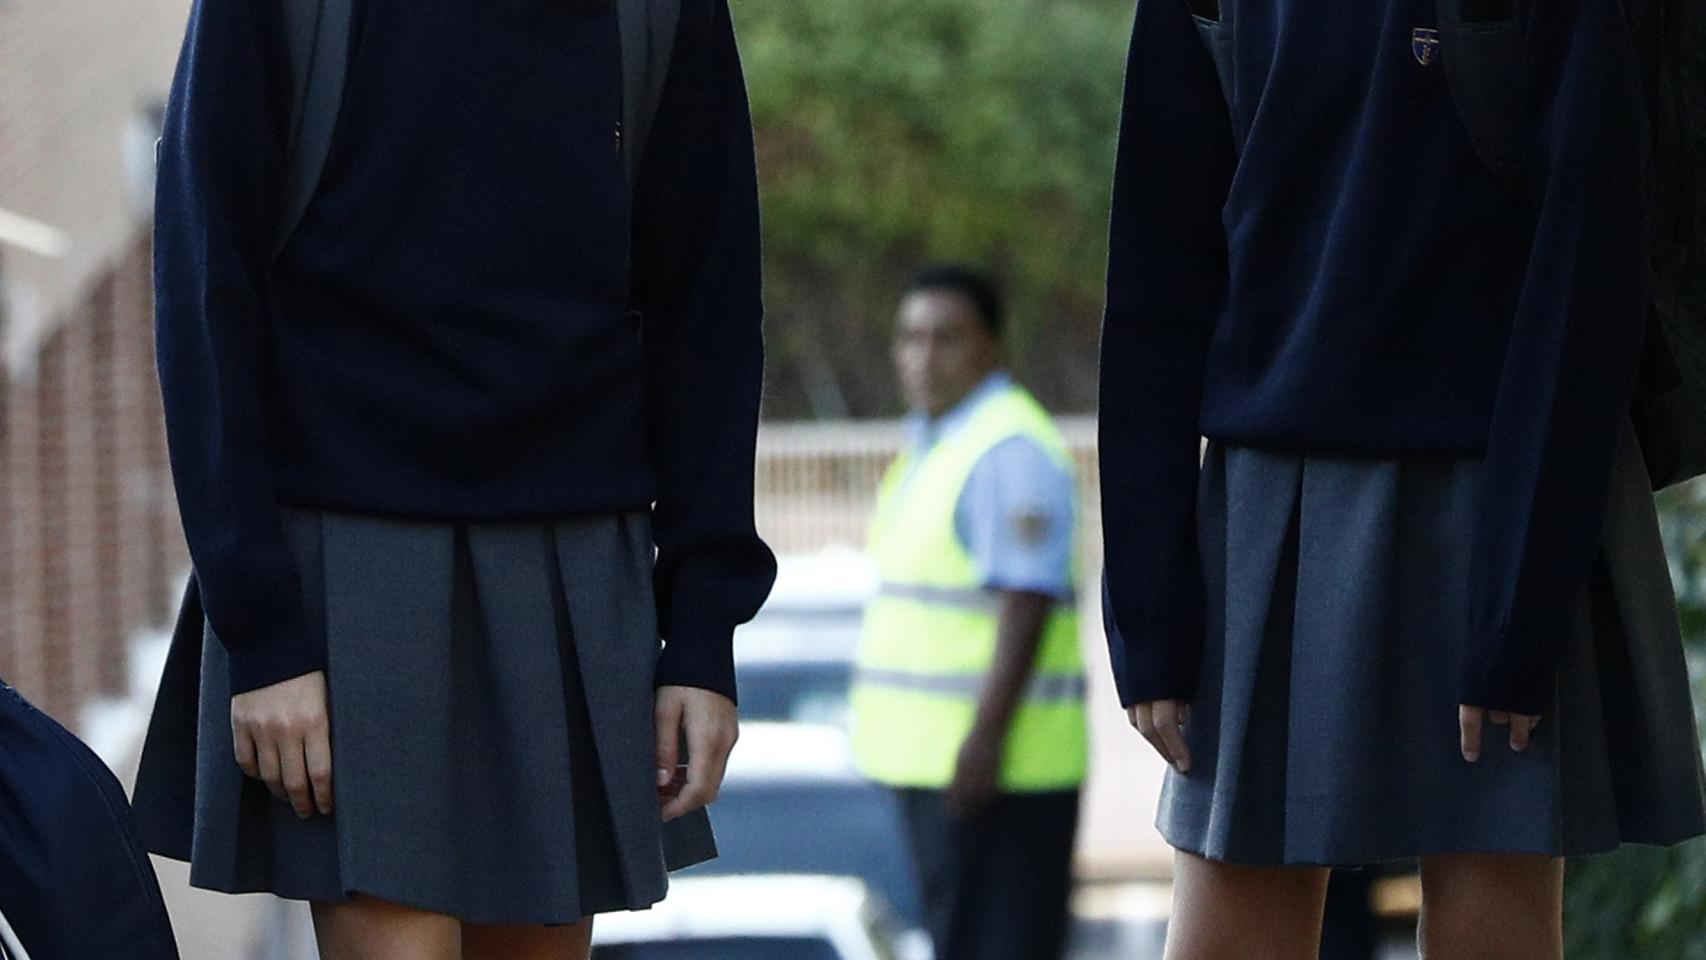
{"points": [[1214, 25], [648, 29], [318, 35], [1488, 69]]}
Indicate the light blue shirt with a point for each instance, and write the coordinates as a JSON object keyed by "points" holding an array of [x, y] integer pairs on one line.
{"points": [[1016, 516]]}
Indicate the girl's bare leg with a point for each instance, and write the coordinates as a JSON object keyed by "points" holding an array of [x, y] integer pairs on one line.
{"points": [[1227, 912], [1486, 906], [488, 942], [369, 929]]}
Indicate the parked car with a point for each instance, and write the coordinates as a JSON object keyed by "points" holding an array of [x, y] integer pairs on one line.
{"points": [[794, 661], [782, 917], [794, 803]]}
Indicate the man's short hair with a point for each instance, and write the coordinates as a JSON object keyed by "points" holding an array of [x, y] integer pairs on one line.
{"points": [[969, 282]]}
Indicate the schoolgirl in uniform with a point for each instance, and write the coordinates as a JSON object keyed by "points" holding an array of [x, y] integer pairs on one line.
{"points": [[1412, 603], [449, 466]]}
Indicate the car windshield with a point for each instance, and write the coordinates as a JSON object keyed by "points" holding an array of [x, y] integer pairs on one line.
{"points": [[722, 948]]}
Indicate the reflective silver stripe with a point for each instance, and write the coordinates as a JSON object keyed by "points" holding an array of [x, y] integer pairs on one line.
{"points": [[969, 685], [974, 599]]}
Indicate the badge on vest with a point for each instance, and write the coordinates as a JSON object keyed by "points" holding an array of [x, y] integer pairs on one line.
{"points": [[1424, 43]]}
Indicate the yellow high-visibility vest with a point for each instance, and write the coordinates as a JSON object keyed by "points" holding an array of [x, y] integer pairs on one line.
{"points": [[929, 636]]}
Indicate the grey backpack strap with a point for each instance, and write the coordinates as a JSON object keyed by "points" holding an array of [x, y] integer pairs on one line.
{"points": [[648, 29], [318, 35]]}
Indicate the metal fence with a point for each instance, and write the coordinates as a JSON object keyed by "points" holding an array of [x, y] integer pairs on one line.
{"points": [[817, 482]]}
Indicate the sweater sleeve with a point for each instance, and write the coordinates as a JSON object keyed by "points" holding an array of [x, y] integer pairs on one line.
{"points": [[1166, 279], [697, 288], [220, 160], [1568, 381]]}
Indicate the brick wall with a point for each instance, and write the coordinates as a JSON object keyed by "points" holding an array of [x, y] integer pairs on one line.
{"points": [[89, 547], [88, 539]]}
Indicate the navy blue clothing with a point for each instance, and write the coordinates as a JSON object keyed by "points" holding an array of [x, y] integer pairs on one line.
{"points": [[75, 881], [1352, 279], [477, 320]]}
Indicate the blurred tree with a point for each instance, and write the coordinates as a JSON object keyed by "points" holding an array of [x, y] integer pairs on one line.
{"points": [[892, 132]]}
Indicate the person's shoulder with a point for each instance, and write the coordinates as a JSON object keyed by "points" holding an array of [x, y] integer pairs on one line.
{"points": [[1019, 446], [1020, 455]]}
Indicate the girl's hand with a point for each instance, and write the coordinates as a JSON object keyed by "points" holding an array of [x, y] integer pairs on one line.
{"points": [[711, 726], [1471, 719], [1162, 723], [283, 738]]}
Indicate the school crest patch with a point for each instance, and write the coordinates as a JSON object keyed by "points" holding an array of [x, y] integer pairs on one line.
{"points": [[1424, 43]]}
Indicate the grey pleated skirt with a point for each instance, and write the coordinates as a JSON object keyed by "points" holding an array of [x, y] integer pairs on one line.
{"points": [[492, 733], [1325, 727]]}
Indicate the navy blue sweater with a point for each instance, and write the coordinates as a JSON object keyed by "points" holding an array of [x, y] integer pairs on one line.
{"points": [[1352, 279], [477, 320]]}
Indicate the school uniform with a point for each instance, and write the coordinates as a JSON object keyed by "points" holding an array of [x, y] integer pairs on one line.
{"points": [[479, 437], [1415, 369]]}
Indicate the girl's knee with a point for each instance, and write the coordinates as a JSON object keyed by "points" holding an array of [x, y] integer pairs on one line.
{"points": [[527, 942], [1481, 877], [1492, 905], [1224, 910], [369, 929]]}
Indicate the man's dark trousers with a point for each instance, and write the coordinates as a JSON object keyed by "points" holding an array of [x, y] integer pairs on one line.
{"points": [[997, 885]]}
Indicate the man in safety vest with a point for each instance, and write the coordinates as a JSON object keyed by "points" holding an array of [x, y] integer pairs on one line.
{"points": [[969, 694]]}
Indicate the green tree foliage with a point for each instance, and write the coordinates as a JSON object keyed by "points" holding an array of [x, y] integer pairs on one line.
{"points": [[1651, 903], [892, 132]]}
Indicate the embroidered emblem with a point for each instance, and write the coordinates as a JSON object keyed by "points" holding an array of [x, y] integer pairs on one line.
{"points": [[1424, 43]]}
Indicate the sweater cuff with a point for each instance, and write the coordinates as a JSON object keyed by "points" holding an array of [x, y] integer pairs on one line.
{"points": [[1165, 667], [1500, 674], [1510, 661], [1159, 661], [284, 653], [698, 657]]}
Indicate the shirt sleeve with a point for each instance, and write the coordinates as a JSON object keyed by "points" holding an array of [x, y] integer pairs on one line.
{"points": [[1017, 519], [220, 164], [697, 288], [1167, 274], [1568, 381]]}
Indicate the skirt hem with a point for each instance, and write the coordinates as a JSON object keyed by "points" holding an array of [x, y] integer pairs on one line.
{"points": [[1628, 838], [429, 903]]}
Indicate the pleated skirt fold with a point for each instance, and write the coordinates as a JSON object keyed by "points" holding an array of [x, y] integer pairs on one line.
{"points": [[491, 692], [1325, 730]]}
